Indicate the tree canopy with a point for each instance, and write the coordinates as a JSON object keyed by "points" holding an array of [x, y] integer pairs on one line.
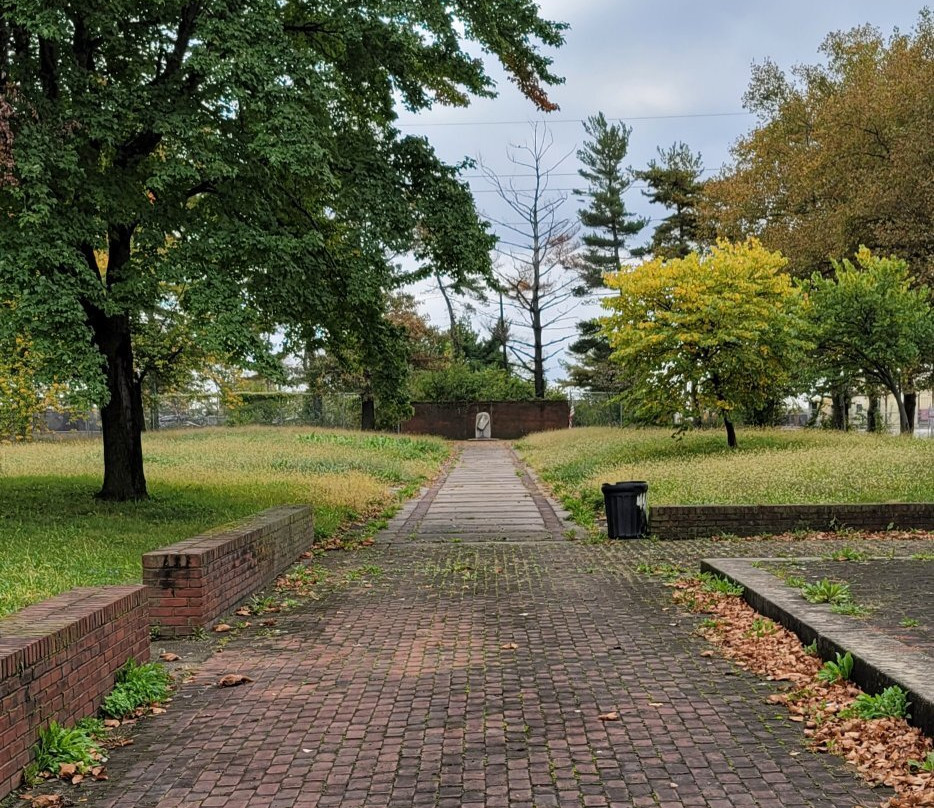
{"points": [[842, 155], [244, 150], [868, 321], [674, 181], [714, 332]]}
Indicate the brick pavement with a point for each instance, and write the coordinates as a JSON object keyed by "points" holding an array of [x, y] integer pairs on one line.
{"points": [[404, 688]]}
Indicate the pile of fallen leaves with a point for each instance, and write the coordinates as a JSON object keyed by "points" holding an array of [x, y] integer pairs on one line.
{"points": [[883, 750]]}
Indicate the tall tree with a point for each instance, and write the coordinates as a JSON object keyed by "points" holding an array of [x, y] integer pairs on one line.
{"points": [[256, 139], [537, 251], [674, 181], [608, 229], [842, 156], [607, 224], [869, 321], [718, 332]]}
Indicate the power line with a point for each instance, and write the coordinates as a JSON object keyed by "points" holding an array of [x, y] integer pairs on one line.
{"points": [[577, 120]]}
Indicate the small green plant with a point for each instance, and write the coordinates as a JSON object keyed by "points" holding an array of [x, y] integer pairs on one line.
{"points": [[923, 557], [890, 703], [845, 553], [137, 686], [795, 581], [836, 671], [260, 604], [667, 571], [720, 585], [850, 608], [926, 765], [762, 627], [709, 623], [827, 591], [92, 727], [58, 745], [908, 622], [810, 649]]}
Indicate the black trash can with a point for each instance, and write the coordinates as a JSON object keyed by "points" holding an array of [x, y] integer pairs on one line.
{"points": [[625, 509]]}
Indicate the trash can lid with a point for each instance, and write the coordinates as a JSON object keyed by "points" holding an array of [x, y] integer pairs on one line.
{"points": [[626, 487]]}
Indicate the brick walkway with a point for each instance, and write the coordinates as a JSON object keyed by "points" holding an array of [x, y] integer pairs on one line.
{"points": [[471, 672]]}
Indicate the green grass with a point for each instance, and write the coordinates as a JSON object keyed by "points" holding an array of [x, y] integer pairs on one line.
{"points": [[54, 535], [774, 466]]}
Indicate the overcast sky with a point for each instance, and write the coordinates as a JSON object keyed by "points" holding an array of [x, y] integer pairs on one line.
{"points": [[671, 69]]}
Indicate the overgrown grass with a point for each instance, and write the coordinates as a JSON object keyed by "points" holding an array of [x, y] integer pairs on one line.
{"points": [[54, 535], [770, 466]]}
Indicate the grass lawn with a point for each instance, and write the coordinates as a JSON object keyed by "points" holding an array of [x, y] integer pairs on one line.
{"points": [[54, 535], [770, 466]]}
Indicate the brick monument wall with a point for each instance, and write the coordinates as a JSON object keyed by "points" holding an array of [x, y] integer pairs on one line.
{"points": [[508, 419]]}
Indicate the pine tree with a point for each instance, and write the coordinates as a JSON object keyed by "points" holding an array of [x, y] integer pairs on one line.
{"points": [[606, 217], [674, 181]]}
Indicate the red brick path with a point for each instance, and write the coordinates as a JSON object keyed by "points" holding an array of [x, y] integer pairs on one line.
{"points": [[403, 689]]}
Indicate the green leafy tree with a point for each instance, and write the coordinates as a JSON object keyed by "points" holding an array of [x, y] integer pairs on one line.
{"points": [[869, 321], [674, 181], [718, 332], [244, 148], [842, 156]]}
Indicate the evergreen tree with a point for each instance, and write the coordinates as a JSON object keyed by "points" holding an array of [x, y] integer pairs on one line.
{"points": [[674, 181], [610, 226], [606, 217]]}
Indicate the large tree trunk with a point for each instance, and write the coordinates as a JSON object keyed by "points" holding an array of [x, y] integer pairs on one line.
{"points": [[910, 401], [873, 423], [368, 413], [840, 408], [122, 416], [730, 431]]}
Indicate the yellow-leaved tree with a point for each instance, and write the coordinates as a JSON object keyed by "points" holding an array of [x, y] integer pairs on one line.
{"points": [[713, 332]]}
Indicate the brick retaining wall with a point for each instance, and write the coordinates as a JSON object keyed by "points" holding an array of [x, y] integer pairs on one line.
{"points": [[695, 521], [58, 660], [508, 419], [195, 581]]}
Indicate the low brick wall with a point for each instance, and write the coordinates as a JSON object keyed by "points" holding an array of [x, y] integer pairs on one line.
{"points": [[58, 659], [695, 521], [508, 419], [195, 581]]}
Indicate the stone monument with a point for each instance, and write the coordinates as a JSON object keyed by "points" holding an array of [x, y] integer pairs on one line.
{"points": [[483, 427]]}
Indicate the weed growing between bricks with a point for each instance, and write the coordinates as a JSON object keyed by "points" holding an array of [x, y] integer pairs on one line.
{"points": [[885, 750]]}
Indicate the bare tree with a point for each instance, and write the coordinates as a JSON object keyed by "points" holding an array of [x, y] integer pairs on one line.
{"points": [[535, 253]]}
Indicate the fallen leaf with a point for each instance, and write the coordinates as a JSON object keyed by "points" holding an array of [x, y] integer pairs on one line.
{"points": [[243, 611], [220, 628], [610, 716], [44, 800], [233, 679], [656, 704], [268, 622], [168, 656], [706, 653], [67, 770], [509, 646], [111, 723], [77, 779], [157, 710]]}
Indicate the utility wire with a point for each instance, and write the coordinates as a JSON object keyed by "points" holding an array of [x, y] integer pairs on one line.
{"points": [[579, 120]]}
